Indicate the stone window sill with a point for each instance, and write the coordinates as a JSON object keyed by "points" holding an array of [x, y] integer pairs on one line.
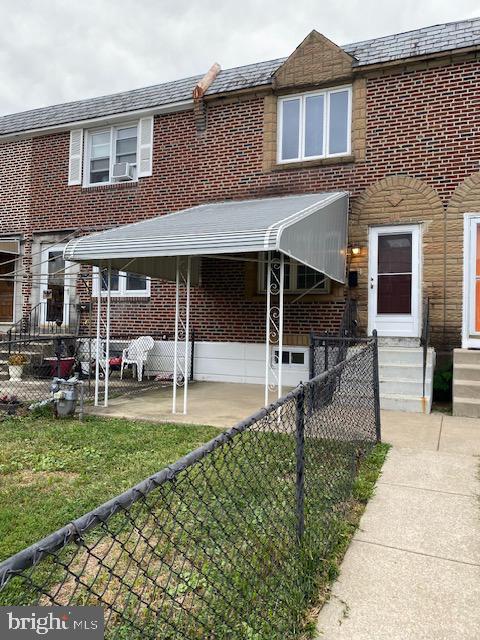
{"points": [[319, 162]]}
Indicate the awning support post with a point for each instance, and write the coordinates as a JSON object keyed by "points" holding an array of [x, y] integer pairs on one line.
{"points": [[275, 281], [175, 349], [97, 347], [182, 330], [107, 340], [186, 372]]}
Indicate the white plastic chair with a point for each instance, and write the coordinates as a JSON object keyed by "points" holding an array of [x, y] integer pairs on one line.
{"points": [[136, 353]]}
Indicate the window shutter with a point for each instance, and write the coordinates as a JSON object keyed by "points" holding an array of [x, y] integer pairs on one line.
{"points": [[145, 147], [75, 160]]}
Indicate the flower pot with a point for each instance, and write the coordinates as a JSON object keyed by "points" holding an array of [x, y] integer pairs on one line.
{"points": [[15, 371]]}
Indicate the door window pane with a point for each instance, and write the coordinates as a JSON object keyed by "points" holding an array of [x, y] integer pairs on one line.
{"points": [[394, 294], [7, 285], [314, 106], [477, 281], [290, 129], [338, 122], [55, 286], [395, 253]]}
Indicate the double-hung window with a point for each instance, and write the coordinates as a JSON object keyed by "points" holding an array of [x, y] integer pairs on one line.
{"points": [[314, 125], [122, 284], [298, 278], [107, 147]]}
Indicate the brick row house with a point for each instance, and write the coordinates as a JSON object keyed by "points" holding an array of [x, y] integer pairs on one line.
{"points": [[392, 123]]}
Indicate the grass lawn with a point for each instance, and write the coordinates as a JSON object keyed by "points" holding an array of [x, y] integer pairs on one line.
{"points": [[214, 554], [52, 471]]}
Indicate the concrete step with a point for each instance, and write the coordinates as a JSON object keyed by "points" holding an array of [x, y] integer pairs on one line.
{"points": [[411, 372], [466, 389], [407, 387], [466, 356], [401, 402], [404, 355], [466, 407], [467, 371]]}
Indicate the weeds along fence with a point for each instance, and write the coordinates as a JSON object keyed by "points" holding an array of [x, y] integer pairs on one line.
{"points": [[28, 364], [229, 541]]}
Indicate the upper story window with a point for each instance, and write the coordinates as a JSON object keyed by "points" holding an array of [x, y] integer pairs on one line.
{"points": [[111, 154], [298, 278], [122, 284], [314, 125]]}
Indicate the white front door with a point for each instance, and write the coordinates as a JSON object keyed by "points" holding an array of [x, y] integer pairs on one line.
{"points": [[55, 287], [471, 282], [394, 281]]}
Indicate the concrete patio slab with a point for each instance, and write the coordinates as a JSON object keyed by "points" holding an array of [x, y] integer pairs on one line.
{"points": [[413, 430], [423, 521], [432, 470], [390, 594], [219, 404], [460, 435]]}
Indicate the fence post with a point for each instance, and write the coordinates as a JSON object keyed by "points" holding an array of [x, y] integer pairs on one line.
{"points": [[300, 456], [312, 355], [376, 387]]}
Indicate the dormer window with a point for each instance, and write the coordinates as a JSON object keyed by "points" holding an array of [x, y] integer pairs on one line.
{"points": [[314, 125]]}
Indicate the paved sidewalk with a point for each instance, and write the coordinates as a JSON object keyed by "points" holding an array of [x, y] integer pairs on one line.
{"points": [[412, 571]]}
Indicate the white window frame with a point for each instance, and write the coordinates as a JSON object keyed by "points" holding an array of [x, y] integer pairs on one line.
{"points": [[326, 93], [113, 139], [291, 365], [322, 289], [122, 292]]}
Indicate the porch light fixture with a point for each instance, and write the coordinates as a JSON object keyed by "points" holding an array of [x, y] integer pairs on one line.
{"points": [[354, 249]]}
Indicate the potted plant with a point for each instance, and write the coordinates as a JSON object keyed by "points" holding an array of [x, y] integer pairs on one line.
{"points": [[16, 363]]}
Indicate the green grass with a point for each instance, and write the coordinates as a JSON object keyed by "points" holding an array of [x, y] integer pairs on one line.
{"points": [[215, 553], [52, 471]]}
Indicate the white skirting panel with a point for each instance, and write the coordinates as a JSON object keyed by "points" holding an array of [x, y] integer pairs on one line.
{"points": [[241, 362]]}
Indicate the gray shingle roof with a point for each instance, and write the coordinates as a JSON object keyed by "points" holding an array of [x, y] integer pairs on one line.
{"points": [[428, 40]]}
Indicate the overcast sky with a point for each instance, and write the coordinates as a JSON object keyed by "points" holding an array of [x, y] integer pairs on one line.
{"points": [[59, 50]]}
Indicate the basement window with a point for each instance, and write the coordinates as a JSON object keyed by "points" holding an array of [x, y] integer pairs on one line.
{"points": [[291, 357], [122, 284], [314, 125]]}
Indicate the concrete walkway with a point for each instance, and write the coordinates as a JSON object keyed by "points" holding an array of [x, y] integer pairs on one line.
{"points": [[412, 571]]}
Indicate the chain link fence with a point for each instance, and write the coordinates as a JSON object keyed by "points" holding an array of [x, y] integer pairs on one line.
{"points": [[29, 363], [229, 541]]}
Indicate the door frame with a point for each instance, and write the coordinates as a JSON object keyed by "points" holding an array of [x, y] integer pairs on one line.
{"points": [[44, 284], [469, 340], [374, 232]]}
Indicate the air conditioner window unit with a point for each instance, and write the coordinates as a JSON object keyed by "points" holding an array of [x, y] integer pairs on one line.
{"points": [[123, 171]]}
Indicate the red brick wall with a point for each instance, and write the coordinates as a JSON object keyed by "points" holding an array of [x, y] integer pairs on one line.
{"points": [[423, 123]]}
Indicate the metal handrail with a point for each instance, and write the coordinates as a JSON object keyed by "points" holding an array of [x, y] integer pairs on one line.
{"points": [[425, 337], [31, 326]]}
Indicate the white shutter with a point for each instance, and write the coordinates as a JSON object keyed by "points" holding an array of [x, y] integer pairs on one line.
{"points": [[75, 160], [145, 147]]}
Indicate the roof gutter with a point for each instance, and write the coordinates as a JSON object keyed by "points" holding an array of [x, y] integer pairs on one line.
{"points": [[172, 107]]}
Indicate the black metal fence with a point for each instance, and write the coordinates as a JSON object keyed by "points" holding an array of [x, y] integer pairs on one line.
{"points": [[229, 541], [28, 364]]}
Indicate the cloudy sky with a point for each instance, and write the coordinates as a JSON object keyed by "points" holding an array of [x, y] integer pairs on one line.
{"points": [[58, 50]]}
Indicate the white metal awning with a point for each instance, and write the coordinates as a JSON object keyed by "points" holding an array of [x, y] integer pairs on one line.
{"points": [[310, 228]]}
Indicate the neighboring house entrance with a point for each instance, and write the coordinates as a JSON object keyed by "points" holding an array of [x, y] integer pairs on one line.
{"points": [[394, 281], [7, 286], [54, 288], [471, 282]]}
